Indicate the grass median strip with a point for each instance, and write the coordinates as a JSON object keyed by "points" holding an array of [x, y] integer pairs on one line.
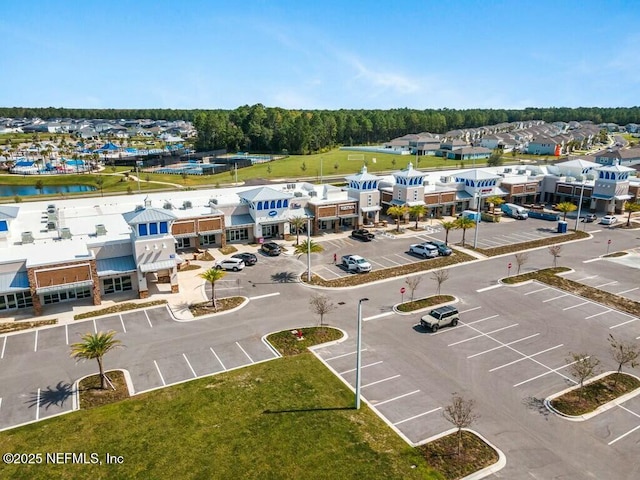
{"points": [[543, 242]]}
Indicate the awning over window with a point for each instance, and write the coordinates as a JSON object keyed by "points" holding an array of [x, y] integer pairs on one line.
{"points": [[156, 266], [115, 266], [64, 286]]}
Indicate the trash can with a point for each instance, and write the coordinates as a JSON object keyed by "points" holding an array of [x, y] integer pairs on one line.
{"points": [[562, 227]]}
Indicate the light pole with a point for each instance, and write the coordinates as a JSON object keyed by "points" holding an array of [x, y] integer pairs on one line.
{"points": [[475, 235], [308, 249], [579, 206], [359, 351]]}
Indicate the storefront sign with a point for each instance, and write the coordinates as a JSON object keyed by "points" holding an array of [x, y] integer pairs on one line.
{"points": [[347, 207], [273, 213]]}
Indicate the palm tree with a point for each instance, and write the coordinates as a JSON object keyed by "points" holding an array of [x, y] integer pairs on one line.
{"points": [[566, 207], [308, 246], [631, 207], [212, 276], [398, 212], [448, 226], [417, 212], [96, 346], [464, 223], [297, 223]]}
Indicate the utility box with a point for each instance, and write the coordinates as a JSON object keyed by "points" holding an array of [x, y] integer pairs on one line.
{"points": [[562, 227]]}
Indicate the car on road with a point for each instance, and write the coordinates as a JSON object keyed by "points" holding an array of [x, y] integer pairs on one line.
{"points": [[247, 258], [363, 234], [271, 248], [235, 264], [441, 317], [424, 250], [443, 248], [589, 217], [608, 220]]}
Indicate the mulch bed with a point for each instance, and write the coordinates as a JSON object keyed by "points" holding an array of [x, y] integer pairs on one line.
{"points": [[224, 304], [441, 455], [595, 394], [91, 395], [6, 327], [425, 302]]}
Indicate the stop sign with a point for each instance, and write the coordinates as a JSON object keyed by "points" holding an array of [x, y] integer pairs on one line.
{"points": [[402, 290]]}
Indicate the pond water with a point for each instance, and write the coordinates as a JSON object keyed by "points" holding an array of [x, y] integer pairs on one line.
{"points": [[27, 190]]}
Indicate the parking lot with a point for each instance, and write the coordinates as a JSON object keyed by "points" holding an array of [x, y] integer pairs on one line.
{"points": [[163, 363]]}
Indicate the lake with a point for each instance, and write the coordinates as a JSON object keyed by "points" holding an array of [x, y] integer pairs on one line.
{"points": [[28, 190]]}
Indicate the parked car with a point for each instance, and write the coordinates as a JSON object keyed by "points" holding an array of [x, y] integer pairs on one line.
{"points": [[589, 217], [608, 220], [363, 234], [441, 317], [247, 258], [355, 263], [443, 248], [234, 264], [271, 248], [424, 250]]}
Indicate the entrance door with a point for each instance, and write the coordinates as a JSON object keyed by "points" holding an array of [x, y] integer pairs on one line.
{"points": [[270, 231]]}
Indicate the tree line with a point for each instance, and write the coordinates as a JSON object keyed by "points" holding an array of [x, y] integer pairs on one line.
{"points": [[258, 128]]}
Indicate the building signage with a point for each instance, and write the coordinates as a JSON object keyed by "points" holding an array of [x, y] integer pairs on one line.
{"points": [[347, 207], [486, 190], [273, 213]]}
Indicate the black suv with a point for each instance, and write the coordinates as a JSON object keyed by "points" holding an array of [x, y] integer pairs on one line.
{"points": [[248, 258], [442, 247], [271, 248], [363, 234]]}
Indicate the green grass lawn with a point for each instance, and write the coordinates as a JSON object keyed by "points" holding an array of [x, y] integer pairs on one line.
{"points": [[284, 419]]}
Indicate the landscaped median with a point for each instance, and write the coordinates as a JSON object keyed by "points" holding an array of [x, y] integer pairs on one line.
{"points": [[15, 326], [423, 303], [544, 242], [118, 308]]}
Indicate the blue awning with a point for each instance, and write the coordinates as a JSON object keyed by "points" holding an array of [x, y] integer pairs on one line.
{"points": [[115, 266], [241, 220], [601, 196]]}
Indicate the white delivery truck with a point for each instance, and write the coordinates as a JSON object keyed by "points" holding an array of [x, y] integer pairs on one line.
{"points": [[515, 211]]}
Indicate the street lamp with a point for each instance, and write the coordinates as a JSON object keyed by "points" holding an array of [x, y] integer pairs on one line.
{"points": [[579, 206], [308, 249], [475, 235], [359, 351]]}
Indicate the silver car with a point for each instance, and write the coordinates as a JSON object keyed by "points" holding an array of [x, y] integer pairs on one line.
{"points": [[234, 264]]}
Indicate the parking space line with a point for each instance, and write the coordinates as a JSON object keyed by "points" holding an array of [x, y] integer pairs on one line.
{"points": [[624, 323], [623, 435], [343, 355], [627, 291], [575, 306], [218, 358], [555, 298], [189, 363], [598, 314], [605, 284], [526, 357], [35, 343], [38, 406], [482, 335], [375, 404], [380, 381], [4, 345], [258, 297], [551, 370], [363, 366], [482, 319], [376, 263], [417, 416], [245, 352], [401, 257], [469, 310], [485, 289], [160, 373], [505, 345], [0, 403], [389, 260], [148, 319], [586, 278], [124, 329], [325, 269], [539, 290], [380, 315]]}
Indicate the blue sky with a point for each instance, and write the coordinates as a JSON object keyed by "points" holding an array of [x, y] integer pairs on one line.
{"points": [[320, 54]]}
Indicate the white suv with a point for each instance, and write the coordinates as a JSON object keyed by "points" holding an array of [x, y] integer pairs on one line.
{"points": [[234, 264], [425, 250]]}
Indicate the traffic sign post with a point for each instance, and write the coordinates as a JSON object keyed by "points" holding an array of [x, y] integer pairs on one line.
{"points": [[608, 245], [509, 269], [402, 290]]}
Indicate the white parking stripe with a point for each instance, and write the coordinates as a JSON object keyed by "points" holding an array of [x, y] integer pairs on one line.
{"points": [[417, 416], [95, 326], [363, 366], [598, 314], [469, 310], [485, 289], [605, 284], [66, 332], [1, 403], [245, 352], [258, 297], [539, 290], [376, 263], [482, 335], [380, 315], [4, 345], [401, 257], [482, 319], [389, 260], [627, 291], [189, 363], [526, 357], [218, 358], [555, 298], [160, 373], [551, 370], [624, 323], [124, 329], [344, 355], [586, 278], [385, 401], [148, 319], [380, 381], [623, 435], [502, 346], [35, 343], [575, 306]]}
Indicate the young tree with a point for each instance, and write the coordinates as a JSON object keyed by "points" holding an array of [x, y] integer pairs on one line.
{"points": [[96, 346], [212, 276], [303, 167], [440, 276], [554, 251], [582, 366], [308, 246], [566, 207], [321, 305], [336, 166], [100, 184], [448, 226], [398, 212], [417, 212], [298, 223], [521, 259], [624, 353], [412, 283], [631, 207], [461, 414], [495, 201], [465, 223]]}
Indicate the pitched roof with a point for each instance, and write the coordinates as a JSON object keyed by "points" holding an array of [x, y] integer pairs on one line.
{"points": [[476, 174], [409, 172], [146, 215], [7, 212], [263, 193], [362, 176]]}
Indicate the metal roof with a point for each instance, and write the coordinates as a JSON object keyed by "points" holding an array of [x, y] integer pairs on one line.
{"points": [[8, 212], [242, 220], [264, 193], [116, 265], [147, 215], [156, 266], [14, 281]]}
